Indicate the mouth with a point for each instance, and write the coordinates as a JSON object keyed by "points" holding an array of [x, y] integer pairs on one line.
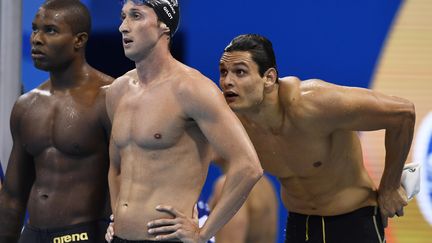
{"points": [[36, 53], [230, 96], [127, 41]]}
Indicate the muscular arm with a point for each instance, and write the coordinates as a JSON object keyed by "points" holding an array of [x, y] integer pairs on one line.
{"points": [[236, 229], [358, 109], [113, 95], [230, 141], [114, 175], [19, 179]]}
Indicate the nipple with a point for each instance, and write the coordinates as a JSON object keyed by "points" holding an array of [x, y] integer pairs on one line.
{"points": [[158, 136]]}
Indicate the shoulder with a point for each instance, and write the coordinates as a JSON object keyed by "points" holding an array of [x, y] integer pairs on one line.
{"points": [[43, 90], [102, 78], [26, 100], [191, 78], [193, 85], [306, 91], [306, 100], [120, 84]]}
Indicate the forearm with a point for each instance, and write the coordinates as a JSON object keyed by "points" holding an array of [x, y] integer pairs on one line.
{"points": [[11, 220], [237, 186], [397, 143]]}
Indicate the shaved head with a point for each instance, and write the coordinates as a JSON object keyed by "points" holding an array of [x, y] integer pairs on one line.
{"points": [[77, 15]]}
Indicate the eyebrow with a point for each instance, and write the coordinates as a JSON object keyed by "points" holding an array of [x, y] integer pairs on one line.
{"points": [[239, 63], [45, 25], [132, 9]]}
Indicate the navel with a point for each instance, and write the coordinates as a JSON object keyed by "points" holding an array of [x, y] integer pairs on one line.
{"points": [[76, 146], [317, 164]]}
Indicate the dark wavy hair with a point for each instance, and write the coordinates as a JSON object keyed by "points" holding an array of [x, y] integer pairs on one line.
{"points": [[260, 48]]}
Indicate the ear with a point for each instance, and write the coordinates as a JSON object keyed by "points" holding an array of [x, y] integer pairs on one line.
{"points": [[165, 28], [270, 78], [80, 40]]}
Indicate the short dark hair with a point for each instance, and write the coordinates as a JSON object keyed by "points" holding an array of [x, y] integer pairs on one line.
{"points": [[260, 48], [77, 14]]}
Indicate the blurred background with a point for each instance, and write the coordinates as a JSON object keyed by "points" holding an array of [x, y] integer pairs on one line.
{"points": [[382, 45]]}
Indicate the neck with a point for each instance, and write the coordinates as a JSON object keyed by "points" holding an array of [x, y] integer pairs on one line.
{"points": [[152, 66], [270, 113], [70, 75]]}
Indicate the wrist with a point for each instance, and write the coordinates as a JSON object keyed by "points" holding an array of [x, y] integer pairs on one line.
{"points": [[202, 238]]}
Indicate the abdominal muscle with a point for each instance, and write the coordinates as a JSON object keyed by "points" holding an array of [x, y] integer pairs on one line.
{"points": [[145, 184], [324, 197]]}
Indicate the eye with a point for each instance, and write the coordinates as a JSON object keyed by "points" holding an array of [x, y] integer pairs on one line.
{"points": [[122, 16], [50, 30], [34, 28], [135, 15], [240, 72], [223, 72]]}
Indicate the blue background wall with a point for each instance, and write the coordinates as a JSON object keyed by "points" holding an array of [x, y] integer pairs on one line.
{"points": [[335, 40]]}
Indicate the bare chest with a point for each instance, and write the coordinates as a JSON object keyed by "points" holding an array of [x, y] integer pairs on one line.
{"points": [[149, 122], [291, 152], [70, 127]]}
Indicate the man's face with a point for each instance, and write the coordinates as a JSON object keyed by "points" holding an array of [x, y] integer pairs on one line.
{"points": [[52, 40], [140, 30], [241, 83]]}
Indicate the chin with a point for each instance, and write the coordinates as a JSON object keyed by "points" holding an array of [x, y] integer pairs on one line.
{"points": [[41, 66], [129, 56], [132, 55], [236, 108]]}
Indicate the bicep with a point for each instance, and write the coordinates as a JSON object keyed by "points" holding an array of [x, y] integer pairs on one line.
{"points": [[113, 94], [109, 102], [220, 125], [20, 172], [359, 109]]}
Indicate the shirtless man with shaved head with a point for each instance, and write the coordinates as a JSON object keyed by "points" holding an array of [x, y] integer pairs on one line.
{"points": [[59, 162]]}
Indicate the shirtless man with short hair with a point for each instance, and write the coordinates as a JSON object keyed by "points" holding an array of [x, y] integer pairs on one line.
{"points": [[167, 118], [305, 133], [59, 162]]}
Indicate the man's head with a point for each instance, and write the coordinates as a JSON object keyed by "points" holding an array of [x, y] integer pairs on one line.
{"points": [[60, 32], [167, 11], [145, 23], [248, 71]]}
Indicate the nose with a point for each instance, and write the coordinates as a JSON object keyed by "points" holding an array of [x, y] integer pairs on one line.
{"points": [[123, 28], [36, 38], [226, 81]]}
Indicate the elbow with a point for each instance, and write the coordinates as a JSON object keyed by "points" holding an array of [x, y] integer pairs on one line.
{"points": [[409, 114], [255, 171]]}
